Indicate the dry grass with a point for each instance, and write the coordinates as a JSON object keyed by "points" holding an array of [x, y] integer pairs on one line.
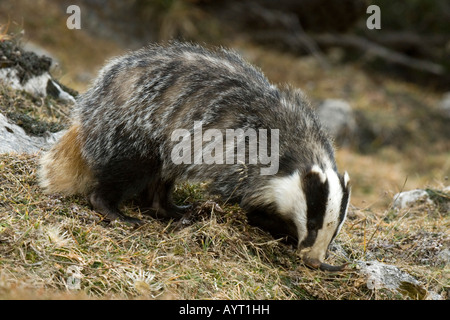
{"points": [[4, 32], [57, 248], [50, 246]]}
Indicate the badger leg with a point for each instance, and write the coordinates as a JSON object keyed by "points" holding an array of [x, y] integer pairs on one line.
{"points": [[107, 204], [160, 201], [116, 181]]}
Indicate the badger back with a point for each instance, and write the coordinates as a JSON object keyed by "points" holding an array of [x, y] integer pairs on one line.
{"points": [[150, 92]]}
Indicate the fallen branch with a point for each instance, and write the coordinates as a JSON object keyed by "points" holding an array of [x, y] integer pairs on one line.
{"points": [[401, 39], [290, 24], [347, 40], [295, 41]]}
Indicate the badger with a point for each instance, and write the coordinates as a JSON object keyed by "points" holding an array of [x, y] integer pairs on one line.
{"points": [[160, 115]]}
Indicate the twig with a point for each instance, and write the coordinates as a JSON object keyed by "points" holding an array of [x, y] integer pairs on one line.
{"points": [[290, 23], [349, 40]]}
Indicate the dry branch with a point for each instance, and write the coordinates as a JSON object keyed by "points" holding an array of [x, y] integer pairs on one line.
{"points": [[347, 40]]}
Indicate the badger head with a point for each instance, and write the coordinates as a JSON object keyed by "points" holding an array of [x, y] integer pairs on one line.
{"points": [[327, 197], [307, 208]]}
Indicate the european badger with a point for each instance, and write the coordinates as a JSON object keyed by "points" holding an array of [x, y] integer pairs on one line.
{"points": [[121, 143]]}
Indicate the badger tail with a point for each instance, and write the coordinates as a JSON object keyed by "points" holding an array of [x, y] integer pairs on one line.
{"points": [[63, 169]]}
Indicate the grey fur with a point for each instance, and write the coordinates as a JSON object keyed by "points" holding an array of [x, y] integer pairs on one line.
{"points": [[153, 91], [138, 100]]}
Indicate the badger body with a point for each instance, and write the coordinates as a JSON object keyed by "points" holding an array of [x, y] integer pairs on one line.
{"points": [[120, 143]]}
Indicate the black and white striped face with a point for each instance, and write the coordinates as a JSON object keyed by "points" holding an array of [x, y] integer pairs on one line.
{"points": [[316, 203]]}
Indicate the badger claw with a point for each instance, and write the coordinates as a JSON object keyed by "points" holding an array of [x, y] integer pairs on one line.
{"points": [[316, 264]]}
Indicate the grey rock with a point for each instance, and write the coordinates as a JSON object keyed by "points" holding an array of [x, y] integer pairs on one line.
{"points": [[338, 118], [407, 198], [36, 86], [380, 275], [14, 139], [444, 257], [444, 105]]}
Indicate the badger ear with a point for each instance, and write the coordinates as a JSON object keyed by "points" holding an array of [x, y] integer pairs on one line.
{"points": [[346, 180]]}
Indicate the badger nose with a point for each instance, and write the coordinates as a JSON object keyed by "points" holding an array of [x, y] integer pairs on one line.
{"points": [[317, 264]]}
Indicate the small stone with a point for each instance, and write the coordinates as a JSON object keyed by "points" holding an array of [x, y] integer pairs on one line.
{"points": [[444, 105], [407, 198]]}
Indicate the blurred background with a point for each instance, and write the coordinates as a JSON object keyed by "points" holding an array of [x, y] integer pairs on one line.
{"points": [[389, 87]]}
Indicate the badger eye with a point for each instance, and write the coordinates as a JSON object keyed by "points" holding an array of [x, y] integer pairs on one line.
{"points": [[312, 225]]}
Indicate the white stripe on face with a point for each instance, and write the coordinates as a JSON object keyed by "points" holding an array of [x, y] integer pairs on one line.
{"points": [[331, 218], [290, 200]]}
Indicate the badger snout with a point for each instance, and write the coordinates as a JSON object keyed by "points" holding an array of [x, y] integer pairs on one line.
{"points": [[316, 264], [314, 252]]}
